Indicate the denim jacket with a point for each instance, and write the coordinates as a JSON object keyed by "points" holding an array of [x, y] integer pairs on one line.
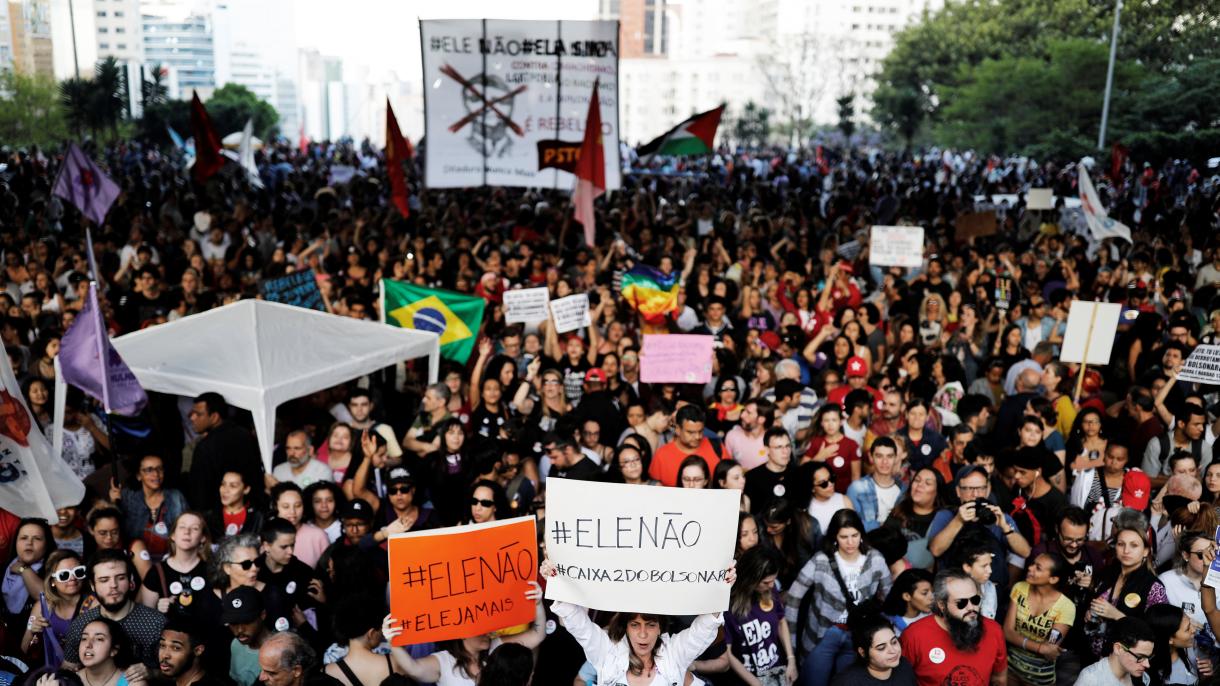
{"points": [[136, 513], [863, 496]]}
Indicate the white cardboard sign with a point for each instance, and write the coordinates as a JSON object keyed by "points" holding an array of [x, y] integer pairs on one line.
{"points": [[525, 305], [571, 313], [896, 246], [1203, 365], [1100, 343], [1040, 199], [640, 548]]}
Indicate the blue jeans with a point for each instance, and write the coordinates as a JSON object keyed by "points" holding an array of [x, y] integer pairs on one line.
{"points": [[830, 656]]}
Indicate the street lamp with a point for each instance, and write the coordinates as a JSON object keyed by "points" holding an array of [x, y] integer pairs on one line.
{"points": [[1105, 107]]}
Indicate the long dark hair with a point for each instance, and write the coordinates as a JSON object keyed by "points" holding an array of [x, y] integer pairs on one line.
{"points": [[755, 564], [464, 660], [843, 519], [618, 629], [865, 621], [509, 665], [906, 583], [48, 536], [615, 473], [120, 642], [1165, 619], [904, 512]]}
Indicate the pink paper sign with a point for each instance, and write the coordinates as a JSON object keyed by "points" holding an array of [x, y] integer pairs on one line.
{"points": [[676, 358]]}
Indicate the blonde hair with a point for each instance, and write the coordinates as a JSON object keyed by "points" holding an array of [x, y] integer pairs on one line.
{"points": [[54, 597], [205, 543]]}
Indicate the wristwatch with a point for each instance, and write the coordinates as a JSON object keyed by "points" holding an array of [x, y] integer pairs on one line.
{"points": [[20, 568]]}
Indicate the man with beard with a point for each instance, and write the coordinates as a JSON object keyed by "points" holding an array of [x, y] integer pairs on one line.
{"points": [[115, 582], [956, 645], [242, 611], [180, 654]]}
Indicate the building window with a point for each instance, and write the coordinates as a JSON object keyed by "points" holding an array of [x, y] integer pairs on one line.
{"points": [[120, 29], [103, 46], [121, 46], [101, 13], [103, 29], [118, 13]]}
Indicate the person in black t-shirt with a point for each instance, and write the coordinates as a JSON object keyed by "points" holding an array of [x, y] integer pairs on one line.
{"points": [[879, 659], [773, 478]]}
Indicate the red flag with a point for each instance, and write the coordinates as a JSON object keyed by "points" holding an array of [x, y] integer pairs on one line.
{"points": [[303, 140], [823, 165], [208, 159], [590, 168], [1118, 158], [397, 151]]}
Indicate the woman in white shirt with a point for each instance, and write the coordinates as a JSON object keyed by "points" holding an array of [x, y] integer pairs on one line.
{"points": [[634, 649], [1183, 582]]}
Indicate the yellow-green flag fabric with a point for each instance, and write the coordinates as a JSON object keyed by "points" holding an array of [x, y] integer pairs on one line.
{"points": [[455, 317]]}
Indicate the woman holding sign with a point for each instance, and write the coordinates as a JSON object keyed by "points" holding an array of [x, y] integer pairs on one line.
{"points": [[635, 649]]}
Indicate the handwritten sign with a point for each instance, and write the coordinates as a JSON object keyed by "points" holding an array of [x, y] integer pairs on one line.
{"points": [[1091, 325], [462, 581], [676, 358], [526, 305], [571, 313], [896, 246], [298, 288], [975, 225], [1203, 365], [640, 548], [1040, 199]]}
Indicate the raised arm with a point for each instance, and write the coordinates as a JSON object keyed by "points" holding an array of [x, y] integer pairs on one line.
{"points": [[537, 632], [425, 670], [476, 376]]}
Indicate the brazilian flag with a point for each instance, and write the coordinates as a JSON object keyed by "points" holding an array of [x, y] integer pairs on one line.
{"points": [[454, 317]]}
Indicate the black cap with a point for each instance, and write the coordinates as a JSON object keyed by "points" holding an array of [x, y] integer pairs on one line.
{"points": [[400, 475], [242, 605], [357, 508]]}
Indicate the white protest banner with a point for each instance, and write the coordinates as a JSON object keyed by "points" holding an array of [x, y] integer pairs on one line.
{"points": [[1040, 199], [526, 305], [640, 548], [1203, 365], [1213, 570], [676, 358], [571, 313], [1092, 324], [500, 94], [896, 246]]}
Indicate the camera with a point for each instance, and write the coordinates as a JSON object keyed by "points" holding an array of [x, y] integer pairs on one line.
{"points": [[982, 512]]}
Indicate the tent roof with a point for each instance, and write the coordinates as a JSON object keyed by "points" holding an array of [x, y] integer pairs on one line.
{"points": [[258, 354]]}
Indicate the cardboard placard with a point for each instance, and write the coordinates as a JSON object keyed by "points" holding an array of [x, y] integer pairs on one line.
{"points": [[676, 358], [976, 224], [1040, 199], [1203, 365], [640, 548], [526, 305], [571, 313], [896, 246], [462, 581], [1102, 320], [298, 288]]}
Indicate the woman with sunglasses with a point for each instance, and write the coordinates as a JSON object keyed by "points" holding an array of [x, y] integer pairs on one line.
{"points": [[181, 578], [1037, 621], [487, 502], [724, 411], [401, 505], [630, 465], [1183, 584], [824, 501], [64, 590], [1127, 586], [843, 574], [148, 507]]}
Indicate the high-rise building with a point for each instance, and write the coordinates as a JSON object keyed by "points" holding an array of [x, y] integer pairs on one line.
{"points": [[30, 35], [6, 38], [643, 26], [178, 35], [118, 29]]}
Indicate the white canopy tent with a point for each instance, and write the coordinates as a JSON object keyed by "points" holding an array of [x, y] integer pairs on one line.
{"points": [[259, 354]]}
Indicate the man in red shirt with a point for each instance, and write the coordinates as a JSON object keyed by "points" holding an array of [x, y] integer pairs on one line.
{"points": [[689, 440], [956, 645]]}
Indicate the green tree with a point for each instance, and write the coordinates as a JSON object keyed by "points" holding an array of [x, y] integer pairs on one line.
{"points": [[30, 111], [232, 105], [753, 127], [847, 113], [158, 116], [76, 96], [153, 90], [109, 94]]}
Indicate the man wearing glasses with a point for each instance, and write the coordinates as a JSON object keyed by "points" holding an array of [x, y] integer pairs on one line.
{"points": [[973, 484], [956, 644], [1130, 656]]}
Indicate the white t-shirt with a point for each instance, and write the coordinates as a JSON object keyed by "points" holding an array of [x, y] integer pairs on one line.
{"points": [[824, 510], [1184, 594], [856, 435], [886, 497], [851, 578]]}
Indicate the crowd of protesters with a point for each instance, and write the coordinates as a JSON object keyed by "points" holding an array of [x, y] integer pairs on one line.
{"points": [[929, 496]]}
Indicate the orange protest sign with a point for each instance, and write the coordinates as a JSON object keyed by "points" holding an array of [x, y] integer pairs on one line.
{"points": [[462, 581]]}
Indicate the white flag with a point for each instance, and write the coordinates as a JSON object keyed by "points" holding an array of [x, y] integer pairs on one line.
{"points": [[245, 154], [33, 481], [1100, 223]]}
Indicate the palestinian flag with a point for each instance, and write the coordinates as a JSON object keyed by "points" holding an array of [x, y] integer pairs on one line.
{"points": [[692, 137], [650, 292], [455, 317]]}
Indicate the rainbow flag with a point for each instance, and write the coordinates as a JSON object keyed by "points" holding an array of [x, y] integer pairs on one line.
{"points": [[653, 294]]}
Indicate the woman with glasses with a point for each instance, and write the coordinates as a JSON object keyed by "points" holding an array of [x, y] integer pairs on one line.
{"points": [[486, 502], [148, 507], [824, 501], [1127, 586], [630, 465], [401, 503], [693, 473], [1038, 620], [843, 574], [182, 577], [64, 587]]}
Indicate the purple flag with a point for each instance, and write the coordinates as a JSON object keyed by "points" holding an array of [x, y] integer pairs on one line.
{"points": [[81, 352], [83, 184]]}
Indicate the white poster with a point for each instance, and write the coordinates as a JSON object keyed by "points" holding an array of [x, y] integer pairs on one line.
{"points": [[896, 246], [571, 313], [1203, 365], [640, 548], [525, 305], [494, 90], [1094, 323], [1040, 199]]}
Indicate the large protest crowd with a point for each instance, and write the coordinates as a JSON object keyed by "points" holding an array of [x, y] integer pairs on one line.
{"points": [[928, 495]]}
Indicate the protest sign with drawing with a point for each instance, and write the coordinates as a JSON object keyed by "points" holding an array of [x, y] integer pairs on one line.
{"points": [[896, 246], [1203, 365], [462, 581], [640, 548], [571, 313], [676, 358], [525, 305], [298, 288]]}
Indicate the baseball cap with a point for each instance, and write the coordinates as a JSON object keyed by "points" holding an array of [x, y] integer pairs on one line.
{"points": [[1137, 489], [769, 339], [595, 374], [856, 366], [241, 605], [357, 509], [400, 475]]}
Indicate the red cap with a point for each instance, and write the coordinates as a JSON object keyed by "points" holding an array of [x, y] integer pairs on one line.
{"points": [[1137, 490], [595, 374], [846, 267], [856, 366], [770, 339]]}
